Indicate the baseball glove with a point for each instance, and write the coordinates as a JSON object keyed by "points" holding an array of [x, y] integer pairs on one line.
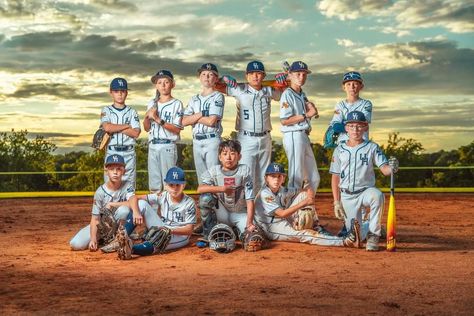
{"points": [[101, 139], [304, 219], [160, 238], [255, 240], [332, 134], [107, 227]]}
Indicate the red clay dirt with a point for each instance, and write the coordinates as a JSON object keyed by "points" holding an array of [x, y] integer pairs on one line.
{"points": [[432, 271]]}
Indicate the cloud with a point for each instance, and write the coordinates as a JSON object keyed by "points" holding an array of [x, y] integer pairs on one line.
{"points": [[283, 24], [344, 42], [115, 5], [349, 9]]}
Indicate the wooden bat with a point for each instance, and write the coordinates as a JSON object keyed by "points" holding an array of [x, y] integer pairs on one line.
{"points": [[392, 219]]}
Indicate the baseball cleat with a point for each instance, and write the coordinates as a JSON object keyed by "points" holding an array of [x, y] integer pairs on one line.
{"points": [[321, 230], [372, 242], [125, 244], [111, 247], [353, 237]]}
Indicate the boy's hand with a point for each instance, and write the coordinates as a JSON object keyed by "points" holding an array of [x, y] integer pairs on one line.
{"points": [[229, 190], [309, 198], [339, 210], [229, 81], [393, 163], [93, 245], [250, 227], [311, 110], [137, 218], [281, 77], [152, 115]]}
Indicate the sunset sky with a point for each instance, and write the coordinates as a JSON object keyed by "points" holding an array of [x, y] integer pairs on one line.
{"points": [[417, 58]]}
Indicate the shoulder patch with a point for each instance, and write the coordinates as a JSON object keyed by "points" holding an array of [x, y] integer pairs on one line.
{"points": [[337, 112], [269, 199], [285, 105]]}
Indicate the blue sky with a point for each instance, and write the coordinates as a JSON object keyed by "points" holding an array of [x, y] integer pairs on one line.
{"points": [[58, 57]]}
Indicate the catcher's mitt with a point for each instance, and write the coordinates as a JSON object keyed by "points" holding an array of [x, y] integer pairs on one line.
{"points": [[255, 240], [304, 219], [332, 134], [100, 140], [107, 227], [160, 238]]}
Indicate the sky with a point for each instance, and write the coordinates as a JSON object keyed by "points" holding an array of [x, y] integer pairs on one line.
{"points": [[57, 59]]}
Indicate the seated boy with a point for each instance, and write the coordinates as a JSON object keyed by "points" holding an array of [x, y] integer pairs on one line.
{"points": [[177, 213], [277, 208]]}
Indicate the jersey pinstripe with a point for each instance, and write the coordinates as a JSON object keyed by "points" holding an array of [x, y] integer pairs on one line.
{"points": [[343, 108], [253, 107], [174, 215], [104, 195], [171, 112], [213, 104], [355, 165], [239, 178], [126, 115], [293, 103]]}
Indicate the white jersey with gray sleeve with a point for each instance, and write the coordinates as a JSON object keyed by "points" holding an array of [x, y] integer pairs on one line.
{"points": [[104, 195], [293, 103], [253, 107], [126, 115], [174, 214], [239, 178], [343, 108], [355, 165], [212, 104], [172, 113]]}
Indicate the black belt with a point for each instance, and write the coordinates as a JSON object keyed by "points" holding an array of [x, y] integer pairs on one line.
{"points": [[121, 148], [306, 131], [255, 134], [160, 141], [354, 192], [204, 136]]}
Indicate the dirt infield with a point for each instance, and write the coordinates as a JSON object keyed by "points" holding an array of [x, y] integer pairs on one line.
{"points": [[431, 273]]}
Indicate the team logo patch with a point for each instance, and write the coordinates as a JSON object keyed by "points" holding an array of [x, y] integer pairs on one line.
{"points": [[102, 114], [269, 199], [229, 181], [285, 105]]}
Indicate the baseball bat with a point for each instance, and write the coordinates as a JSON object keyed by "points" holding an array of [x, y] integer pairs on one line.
{"points": [[392, 218]]}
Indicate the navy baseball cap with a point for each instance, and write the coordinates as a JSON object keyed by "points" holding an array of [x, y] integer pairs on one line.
{"points": [[208, 67], [114, 160], [299, 66], [118, 84], [255, 66], [352, 76], [356, 116], [175, 176], [162, 74], [275, 168]]}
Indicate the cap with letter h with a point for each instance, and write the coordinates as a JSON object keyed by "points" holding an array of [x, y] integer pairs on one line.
{"points": [[114, 160], [352, 76], [356, 117], [255, 66], [208, 67], [299, 66], [118, 84], [275, 168], [175, 175], [162, 74]]}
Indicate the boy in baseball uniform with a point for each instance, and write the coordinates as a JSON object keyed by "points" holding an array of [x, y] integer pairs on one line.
{"points": [[227, 194], [295, 117], [253, 122], [353, 177], [204, 112], [122, 123], [176, 210], [277, 209], [163, 124]]}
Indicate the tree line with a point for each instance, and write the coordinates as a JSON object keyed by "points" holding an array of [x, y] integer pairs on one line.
{"points": [[19, 153]]}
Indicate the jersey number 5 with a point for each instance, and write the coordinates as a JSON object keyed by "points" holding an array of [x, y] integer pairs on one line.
{"points": [[246, 114]]}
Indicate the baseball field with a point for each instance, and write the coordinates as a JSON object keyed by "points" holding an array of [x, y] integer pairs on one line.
{"points": [[431, 273]]}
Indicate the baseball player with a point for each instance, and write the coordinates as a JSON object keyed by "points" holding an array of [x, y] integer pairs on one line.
{"points": [[253, 121], [163, 124], [123, 125], [353, 177], [177, 212], [204, 112], [276, 207], [352, 84], [295, 116], [227, 194]]}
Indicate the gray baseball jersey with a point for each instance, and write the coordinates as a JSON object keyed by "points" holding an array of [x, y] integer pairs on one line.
{"points": [[293, 103], [104, 195], [171, 112], [268, 202], [343, 108], [174, 215], [239, 178], [213, 104], [127, 115], [355, 165], [253, 107]]}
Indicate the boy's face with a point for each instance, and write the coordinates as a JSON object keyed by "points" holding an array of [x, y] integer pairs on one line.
{"points": [[275, 181], [298, 77], [255, 78], [208, 79], [229, 158], [352, 88], [164, 86], [119, 96], [356, 130], [175, 190], [115, 172]]}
